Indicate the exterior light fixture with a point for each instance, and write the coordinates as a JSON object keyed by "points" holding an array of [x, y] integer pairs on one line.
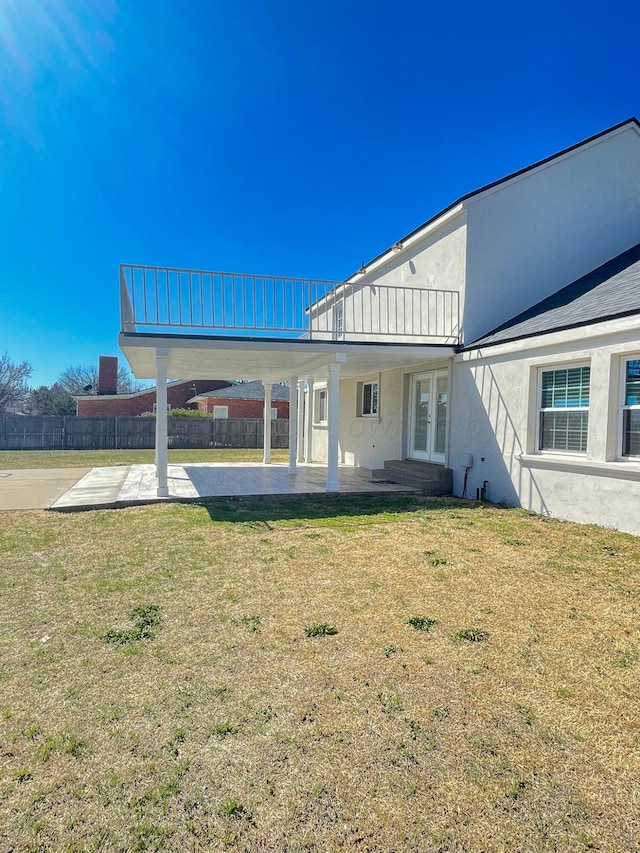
{"points": [[397, 247], [362, 270]]}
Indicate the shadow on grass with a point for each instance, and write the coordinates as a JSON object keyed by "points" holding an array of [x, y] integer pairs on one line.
{"points": [[324, 507]]}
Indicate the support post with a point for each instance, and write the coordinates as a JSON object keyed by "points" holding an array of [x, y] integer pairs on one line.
{"points": [[333, 484], [293, 424], [266, 459], [300, 422], [162, 366], [308, 435]]}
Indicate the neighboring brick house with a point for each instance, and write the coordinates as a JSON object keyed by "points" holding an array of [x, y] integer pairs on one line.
{"points": [[244, 400], [179, 396]]}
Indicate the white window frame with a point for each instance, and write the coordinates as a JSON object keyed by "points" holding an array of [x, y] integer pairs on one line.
{"points": [[155, 407], [360, 395], [319, 395], [551, 368], [338, 320], [624, 407], [217, 413]]}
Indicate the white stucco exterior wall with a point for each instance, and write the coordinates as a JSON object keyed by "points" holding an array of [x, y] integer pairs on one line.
{"points": [[494, 413], [369, 441], [539, 232], [433, 262]]}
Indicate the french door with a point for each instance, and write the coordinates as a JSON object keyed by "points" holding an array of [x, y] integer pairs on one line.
{"points": [[429, 398]]}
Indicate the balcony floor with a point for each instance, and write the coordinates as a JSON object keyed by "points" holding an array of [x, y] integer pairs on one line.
{"points": [[117, 487]]}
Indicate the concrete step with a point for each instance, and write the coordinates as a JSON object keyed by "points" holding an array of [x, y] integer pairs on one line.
{"points": [[425, 477]]}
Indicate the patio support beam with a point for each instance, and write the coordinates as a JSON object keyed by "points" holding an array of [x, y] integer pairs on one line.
{"points": [[162, 366], [300, 421], [293, 424], [333, 484], [308, 435], [266, 459]]}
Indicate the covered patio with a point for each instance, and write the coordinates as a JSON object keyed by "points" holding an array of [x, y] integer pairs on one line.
{"points": [[137, 484], [186, 324]]}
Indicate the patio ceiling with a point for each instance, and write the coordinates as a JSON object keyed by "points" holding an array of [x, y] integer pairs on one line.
{"points": [[191, 357]]}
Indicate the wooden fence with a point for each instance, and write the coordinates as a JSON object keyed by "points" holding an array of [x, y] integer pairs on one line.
{"points": [[32, 432]]}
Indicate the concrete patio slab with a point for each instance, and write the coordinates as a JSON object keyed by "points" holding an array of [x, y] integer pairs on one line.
{"points": [[116, 487]]}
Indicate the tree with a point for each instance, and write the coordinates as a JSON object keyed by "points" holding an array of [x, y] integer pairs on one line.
{"points": [[50, 401], [13, 382], [84, 380]]}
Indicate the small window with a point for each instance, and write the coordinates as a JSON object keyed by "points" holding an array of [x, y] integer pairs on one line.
{"points": [[320, 408], [221, 412], [274, 414], [564, 409], [631, 408], [367, 399], [168, 407], [338, 319]]}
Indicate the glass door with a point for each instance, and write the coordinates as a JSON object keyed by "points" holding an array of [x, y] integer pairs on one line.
{"points": [[429, 399]]}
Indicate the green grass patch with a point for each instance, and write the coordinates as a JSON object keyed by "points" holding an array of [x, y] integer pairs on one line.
{"points": [[146, 618], [320, 629], [422, 623], [470, 635]]}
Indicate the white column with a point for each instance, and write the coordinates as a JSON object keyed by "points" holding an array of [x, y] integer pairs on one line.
{"points": [[308, 436], [162, 365], [266, 459], [300, 421], [333, 484], [293, 423]]}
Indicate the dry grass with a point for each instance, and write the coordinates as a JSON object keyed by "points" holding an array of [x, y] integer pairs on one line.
{"points": [[13, 459], [231, 729]]}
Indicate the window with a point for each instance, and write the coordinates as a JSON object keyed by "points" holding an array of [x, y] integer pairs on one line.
{"points": [[274, 414], [564, 409], [338, 319], [631, 408], [221, 412], [320, 407], [367, 399]]}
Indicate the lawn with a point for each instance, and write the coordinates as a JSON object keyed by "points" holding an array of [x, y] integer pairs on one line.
{"points": [[13, 459], [370, 674]]}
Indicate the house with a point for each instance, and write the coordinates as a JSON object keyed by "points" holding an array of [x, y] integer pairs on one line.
{"points": [[179, 396], [243, 400], [497, 344]]}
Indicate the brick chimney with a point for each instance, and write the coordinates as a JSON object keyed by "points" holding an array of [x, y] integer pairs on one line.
{"points": [[108, 375]]}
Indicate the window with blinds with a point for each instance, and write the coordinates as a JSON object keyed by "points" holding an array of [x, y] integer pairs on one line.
{"points": [[564, 409], [631, 409]]}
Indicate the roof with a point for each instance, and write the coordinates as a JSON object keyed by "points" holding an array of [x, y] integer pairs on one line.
{"points": [[151, 389], [612, 290], [248, 391], [633, 121]]}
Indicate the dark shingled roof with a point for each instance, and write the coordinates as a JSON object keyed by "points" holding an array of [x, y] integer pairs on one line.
{"points": [[248, 391], [612, 290]]}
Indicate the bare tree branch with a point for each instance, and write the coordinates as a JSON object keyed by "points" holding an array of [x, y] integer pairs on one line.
{"points": [[76, 379], [13, 382]]}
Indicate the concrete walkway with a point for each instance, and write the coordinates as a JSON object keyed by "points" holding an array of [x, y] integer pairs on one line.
{"points": [[116, 487], [36, 488]]}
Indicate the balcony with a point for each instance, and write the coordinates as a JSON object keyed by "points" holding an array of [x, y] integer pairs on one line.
{"points": [[164, 301]]}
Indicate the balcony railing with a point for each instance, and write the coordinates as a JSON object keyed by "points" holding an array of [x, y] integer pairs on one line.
{"points": [[161, 300]]}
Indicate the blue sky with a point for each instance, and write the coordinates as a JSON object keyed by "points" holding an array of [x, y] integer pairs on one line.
{"points": [[266, 136]]}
